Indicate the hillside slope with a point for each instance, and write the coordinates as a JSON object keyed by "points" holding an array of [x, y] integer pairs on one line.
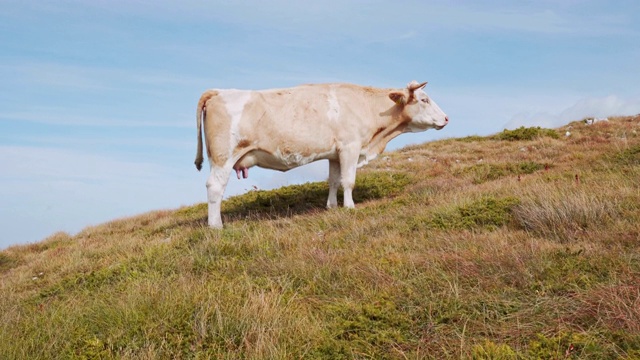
{"points": [[525, 244]]}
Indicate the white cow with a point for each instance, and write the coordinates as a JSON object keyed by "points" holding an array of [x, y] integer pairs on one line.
{"points": [[281, 129]]}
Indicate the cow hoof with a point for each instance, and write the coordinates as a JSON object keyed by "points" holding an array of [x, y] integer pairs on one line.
{"points": [[215, 226]]}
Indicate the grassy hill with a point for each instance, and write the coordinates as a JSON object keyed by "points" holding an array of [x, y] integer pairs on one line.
{"points": [[521, 245]]}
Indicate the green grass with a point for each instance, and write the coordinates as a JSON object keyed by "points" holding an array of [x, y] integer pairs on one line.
{"points": [[7, 262], [299, 199], [480, 173], [472, 249], [486, 212], [629, 156], [524, 133]]}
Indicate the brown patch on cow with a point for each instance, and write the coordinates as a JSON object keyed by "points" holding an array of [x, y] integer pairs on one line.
{"points": [[200, 118], [369, 89], [206, 96], [244, 143], [398, 97]]}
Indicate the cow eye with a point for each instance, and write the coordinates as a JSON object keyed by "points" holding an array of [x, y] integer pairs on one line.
{"points": [[425, 100]]}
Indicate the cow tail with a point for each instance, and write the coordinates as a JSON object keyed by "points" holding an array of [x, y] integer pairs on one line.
{"points": [[200, 114]]}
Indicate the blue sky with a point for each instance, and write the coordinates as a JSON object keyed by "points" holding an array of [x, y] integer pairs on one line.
{"points": [[97, 98]]}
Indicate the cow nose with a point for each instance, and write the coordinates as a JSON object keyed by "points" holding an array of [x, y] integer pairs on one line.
{"points": [[446, 119]]}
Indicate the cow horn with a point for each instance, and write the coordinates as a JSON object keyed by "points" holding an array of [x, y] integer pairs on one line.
{"points": [[413, 86]]}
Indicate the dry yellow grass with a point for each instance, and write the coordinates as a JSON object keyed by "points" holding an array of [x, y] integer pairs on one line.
{"points": [[481, 247]]}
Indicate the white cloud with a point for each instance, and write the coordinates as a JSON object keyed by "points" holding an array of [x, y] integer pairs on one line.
{"points": [[611, 105]]}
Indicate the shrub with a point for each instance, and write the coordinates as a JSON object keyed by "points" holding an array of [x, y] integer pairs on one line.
{"points": [[373, 328], [491, 351], [488, 212], [523, 133], [567, 346], [527, 167]]}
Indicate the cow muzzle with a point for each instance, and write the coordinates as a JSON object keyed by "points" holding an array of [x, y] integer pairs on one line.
{"points": [[446, 121]]}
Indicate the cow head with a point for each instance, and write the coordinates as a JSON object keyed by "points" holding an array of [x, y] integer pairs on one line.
{"points": [[423, 113]]}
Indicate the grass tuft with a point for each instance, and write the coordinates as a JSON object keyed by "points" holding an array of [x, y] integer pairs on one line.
{"points": [[567, 212], [7, 262]]}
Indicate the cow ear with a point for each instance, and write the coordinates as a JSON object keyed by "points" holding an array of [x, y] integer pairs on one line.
{"points": [[398, 98]]}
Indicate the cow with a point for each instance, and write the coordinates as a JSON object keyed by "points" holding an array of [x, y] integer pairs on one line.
{"points": [[281, 129]]}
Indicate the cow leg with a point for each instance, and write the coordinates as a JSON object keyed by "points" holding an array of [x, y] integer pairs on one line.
{"points": [[334, 183], [216, 184], [348, 165]]}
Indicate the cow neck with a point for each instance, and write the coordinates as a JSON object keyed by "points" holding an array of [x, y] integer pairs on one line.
{"points": [[390, 124]]}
